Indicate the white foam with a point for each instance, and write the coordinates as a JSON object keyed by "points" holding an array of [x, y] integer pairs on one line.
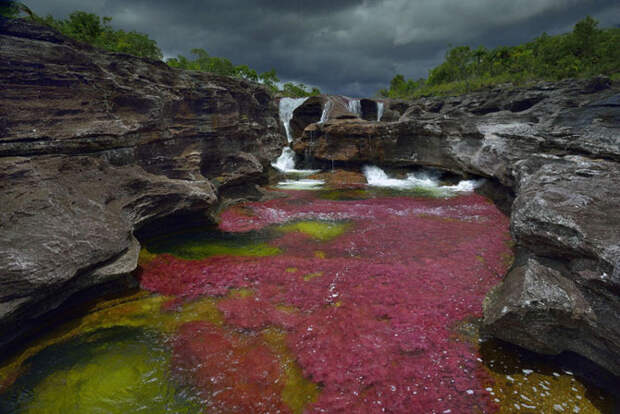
{"points": [[380, 106], [286, 160], [287, 107], [325, 114], [303, 184], [376, 177], [355, 106]]}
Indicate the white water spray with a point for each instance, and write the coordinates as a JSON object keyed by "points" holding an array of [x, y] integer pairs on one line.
{"points": [[302, 184], [376, 177], [287, 107], [380, 106], [355, 107], [325, 114], [286, 160]]}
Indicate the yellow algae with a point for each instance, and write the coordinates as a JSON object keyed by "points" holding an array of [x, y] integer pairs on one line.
{"points": [[241, 293], [204, 309], [318, 230], [287, 308], [196, 251], [319, 254], [102, 374], [291, 269], [311, 276], [137, 311], [530, 386], [145, 257], [298, 391], [196, 245]]}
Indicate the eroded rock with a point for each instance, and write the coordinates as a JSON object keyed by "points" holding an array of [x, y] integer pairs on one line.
{"points": [[94, 145]]}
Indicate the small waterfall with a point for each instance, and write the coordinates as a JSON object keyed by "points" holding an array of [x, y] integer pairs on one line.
{"points": [[286, 160], [376, 177], [380, 106], [287, 107], [355, 107], [325, 114]]}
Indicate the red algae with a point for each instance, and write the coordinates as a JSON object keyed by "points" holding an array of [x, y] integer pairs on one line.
{"points": [[232, 374], [375, 328]]}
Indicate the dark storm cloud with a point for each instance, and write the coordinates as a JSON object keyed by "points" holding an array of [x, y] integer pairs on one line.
{"points": [[351, 47]]}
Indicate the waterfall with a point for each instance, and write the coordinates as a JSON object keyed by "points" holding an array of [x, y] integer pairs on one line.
{"points": [[287, 107], [426, 180], [379, 110], [355, 107], [325, 114], [286, 160]]}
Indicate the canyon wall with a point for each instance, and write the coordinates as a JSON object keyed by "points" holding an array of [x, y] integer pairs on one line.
{"points": [[96, 145]]}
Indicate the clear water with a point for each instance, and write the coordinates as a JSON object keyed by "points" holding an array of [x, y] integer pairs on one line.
{"points": [[335, 300]]}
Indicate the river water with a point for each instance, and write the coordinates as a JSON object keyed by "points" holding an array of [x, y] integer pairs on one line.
{"points": [[343, 299]]}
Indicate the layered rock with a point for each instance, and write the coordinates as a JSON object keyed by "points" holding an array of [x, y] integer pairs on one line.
{"points": [[557, 147], [95, 145]]}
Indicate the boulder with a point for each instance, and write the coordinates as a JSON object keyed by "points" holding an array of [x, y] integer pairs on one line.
{"points": [[96, 145], [563, 292]]}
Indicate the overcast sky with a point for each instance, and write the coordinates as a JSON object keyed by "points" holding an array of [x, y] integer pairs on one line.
{"points": [[350, 47]]}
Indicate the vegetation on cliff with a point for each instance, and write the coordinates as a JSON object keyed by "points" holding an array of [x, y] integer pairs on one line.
{"points": [[586, 51], [97, 31], [222, 66]]}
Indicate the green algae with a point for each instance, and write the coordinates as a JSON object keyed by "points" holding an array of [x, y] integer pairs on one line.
{"points": [[316, 229], [141, 310], [196, 245], [118, 370], [311, 276], [298, 391]]}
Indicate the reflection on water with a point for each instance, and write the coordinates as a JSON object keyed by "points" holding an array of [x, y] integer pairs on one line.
{"points": [[332, 300]]}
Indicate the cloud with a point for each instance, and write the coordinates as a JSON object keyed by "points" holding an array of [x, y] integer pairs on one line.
{"points": [[351, 47]]}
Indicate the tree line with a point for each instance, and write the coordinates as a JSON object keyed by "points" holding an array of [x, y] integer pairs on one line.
{"points": [[97, 31], [585, 52]]}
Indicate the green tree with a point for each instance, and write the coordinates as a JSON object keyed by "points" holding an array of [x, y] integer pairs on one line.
{"points": [[97, 31], [270, 79], [9, 9], [586, 51]]}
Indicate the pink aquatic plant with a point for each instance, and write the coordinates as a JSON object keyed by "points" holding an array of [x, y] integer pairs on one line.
{"points": [[369, 314]]}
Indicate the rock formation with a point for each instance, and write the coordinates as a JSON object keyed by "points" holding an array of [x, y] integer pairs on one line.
{"points": [[556, 146], [95, 145]]}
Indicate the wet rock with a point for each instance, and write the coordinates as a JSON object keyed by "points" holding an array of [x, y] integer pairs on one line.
{"points": [[95, 145], [369, 109], [564, 297], [543, 306], [315, 107]]}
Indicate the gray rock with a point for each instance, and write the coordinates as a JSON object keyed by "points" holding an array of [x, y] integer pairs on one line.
{"points": [[96, 145]]}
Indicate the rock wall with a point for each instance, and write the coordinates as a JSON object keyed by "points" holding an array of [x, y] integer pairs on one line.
{"points": [[95, 145], [557, 147]]}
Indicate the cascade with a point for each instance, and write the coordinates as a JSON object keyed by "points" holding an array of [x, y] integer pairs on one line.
{"points": [[286, 160], [380, 106], [326, 108], [287, 107], [376, 177], [355, 106]]}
